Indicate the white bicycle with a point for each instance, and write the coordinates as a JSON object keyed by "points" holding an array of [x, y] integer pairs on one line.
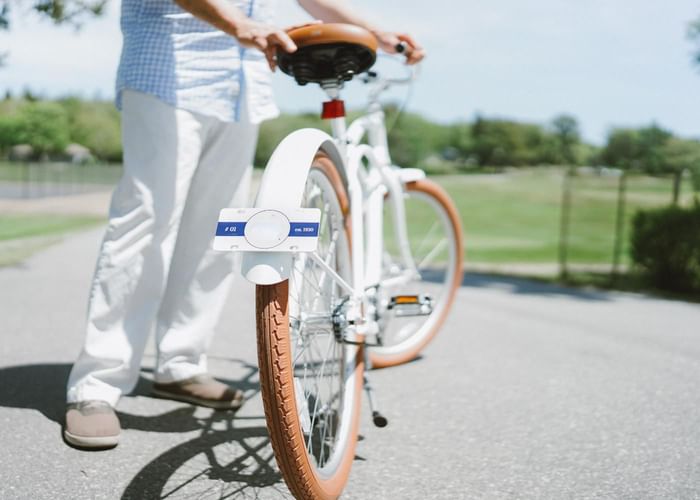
{"points": [[344, 282]]}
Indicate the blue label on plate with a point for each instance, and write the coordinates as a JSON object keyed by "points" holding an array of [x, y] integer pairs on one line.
{"points": [[303, 229], [230, 228], [295, 229]]}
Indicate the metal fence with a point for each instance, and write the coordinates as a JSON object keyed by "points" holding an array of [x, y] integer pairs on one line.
{"points": [[38, 180], [611, 198], [595, 206]]}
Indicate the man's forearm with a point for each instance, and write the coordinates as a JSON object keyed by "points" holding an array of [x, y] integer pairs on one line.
{"points": [[334, 11], [219, 13], [337, 11], [249, 33]]}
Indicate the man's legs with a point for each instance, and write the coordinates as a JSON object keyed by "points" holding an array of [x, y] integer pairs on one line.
{"points": [[200, 277], [162, 146]]}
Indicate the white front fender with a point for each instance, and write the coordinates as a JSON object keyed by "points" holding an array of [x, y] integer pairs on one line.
{"points": [[282, 187]]}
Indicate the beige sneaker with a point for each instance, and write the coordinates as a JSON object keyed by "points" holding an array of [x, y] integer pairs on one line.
{"points": [[202, 390], [91, 424]]}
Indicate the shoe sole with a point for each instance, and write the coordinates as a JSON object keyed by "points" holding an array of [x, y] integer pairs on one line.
{"points": [[208, 403], [91, 442]]}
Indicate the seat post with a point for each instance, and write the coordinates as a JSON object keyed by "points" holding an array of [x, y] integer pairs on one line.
{"points": [[334, 111]]}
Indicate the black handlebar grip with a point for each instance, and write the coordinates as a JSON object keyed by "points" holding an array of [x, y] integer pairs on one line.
{"points": [[401, 47]]}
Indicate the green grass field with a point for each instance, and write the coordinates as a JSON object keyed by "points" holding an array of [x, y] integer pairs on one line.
{"points": [[23, 235], [508, 218], [514, 217], [16, 226]]}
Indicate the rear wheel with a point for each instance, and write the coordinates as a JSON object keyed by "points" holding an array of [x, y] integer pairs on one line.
{"points": [[435, 240], [311, 381]]}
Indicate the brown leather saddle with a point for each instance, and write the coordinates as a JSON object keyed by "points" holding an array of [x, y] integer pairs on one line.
{"points": [[328, 53]]}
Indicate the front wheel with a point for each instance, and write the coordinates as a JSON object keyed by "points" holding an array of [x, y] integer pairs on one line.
{"points": [[310, 380], [435, 241]]}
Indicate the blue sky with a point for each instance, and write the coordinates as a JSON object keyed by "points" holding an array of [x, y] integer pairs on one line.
{"points": [[608, 62]]}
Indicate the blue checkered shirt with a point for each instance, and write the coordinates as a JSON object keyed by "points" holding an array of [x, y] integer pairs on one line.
{"points": [[191, 65]]}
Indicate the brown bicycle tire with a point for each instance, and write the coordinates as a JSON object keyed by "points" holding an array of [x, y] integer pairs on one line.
{"points": [[277, 381], [430, 188]]}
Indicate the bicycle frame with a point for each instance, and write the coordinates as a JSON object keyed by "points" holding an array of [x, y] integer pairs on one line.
{"points": [[282, 187]]}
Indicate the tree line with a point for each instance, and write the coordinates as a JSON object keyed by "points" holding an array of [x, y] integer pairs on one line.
{"points": [[48, 126]]}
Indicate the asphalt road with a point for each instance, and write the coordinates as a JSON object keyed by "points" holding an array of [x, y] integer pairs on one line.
{"points": [[531, 391]]}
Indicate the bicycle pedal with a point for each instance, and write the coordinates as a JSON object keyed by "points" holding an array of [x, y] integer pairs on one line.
{"points": [[411, 305]]}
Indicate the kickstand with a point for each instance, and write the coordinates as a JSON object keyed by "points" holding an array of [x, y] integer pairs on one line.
{"points": [[378, 419]]}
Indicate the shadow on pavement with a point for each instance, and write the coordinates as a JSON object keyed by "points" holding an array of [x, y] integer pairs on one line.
{"points": [[520, 286], [39, 387], [530, 287], [233, 462], [42, 387], [226, 460], [230, 458]]}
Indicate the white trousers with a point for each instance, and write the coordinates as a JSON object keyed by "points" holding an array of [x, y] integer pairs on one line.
{"points": [[156, 268]]}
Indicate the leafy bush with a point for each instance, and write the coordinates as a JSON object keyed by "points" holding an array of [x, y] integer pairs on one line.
{"points": [[49, 126], [95, 125], [507, 143], [44, 125], [9, 132], [666, 246], [412, 138]]}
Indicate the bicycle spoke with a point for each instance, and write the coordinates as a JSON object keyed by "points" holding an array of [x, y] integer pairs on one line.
{"points": [[426, 238], [431, 275], [316, 402], [318, 284], [436, 249]]}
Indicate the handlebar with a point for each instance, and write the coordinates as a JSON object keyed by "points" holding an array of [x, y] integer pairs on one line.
{"points": [[382, 84]]}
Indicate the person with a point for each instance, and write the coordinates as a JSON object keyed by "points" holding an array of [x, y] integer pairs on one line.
{"points": [[193, 85]]}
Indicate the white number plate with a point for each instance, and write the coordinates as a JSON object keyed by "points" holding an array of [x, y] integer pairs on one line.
{"points": [[267, 230]]}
